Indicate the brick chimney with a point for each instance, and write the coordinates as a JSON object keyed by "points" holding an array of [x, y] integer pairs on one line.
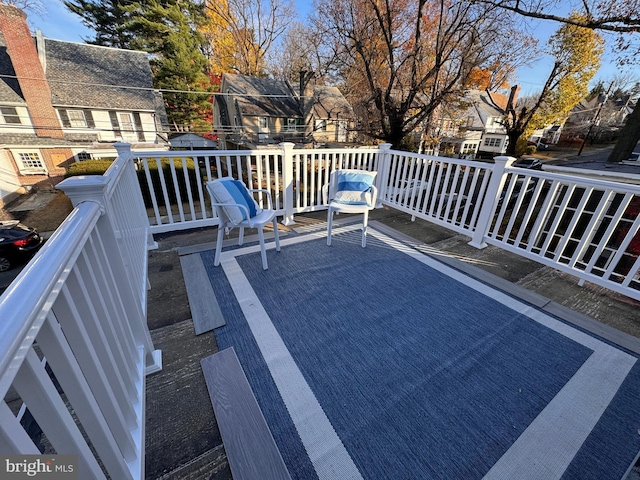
{"points": [[26, 63], [513, 96]]}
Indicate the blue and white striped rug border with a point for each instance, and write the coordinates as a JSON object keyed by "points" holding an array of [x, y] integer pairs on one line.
{"points": [[545, 438]]}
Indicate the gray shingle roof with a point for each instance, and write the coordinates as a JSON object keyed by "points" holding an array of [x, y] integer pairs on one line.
{"points": [[98, 77], [88, 76], [263, 96], [9, 89], [330, 103]]}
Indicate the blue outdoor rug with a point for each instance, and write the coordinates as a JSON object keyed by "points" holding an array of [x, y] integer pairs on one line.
{"points": [[382, 363]]}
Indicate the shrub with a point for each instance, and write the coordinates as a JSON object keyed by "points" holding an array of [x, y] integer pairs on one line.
{"points": [[168, 180], [530, 150], [88, 167]]}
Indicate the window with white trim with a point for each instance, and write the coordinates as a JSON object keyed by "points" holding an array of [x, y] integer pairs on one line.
{"points": [[83, 156], [469, 148], [9, 115], [263, 122], [77, 118], [31, 163], [320, 125], [291, 124], [492, 142]]}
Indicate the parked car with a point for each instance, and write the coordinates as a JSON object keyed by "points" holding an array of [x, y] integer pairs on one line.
{"points": [[17, 243], [528, 162]]}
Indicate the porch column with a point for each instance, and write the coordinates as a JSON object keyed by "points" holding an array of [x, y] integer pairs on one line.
{"points": [[287, 182], [498, 177]]}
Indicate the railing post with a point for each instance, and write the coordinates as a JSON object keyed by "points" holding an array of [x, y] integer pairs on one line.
{"points": [[287, 181], [94, 188], [498, 177], [384, 166], [125, 156]]}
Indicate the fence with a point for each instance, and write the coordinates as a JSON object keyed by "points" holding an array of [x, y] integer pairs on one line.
{"points": [[74, 340], [588, 228]]}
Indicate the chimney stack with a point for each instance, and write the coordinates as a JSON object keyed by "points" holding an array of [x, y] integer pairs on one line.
{"points": [[29, 71], [513, 97]]}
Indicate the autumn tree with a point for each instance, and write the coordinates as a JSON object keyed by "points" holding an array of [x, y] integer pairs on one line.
{"points": [[577, 52], [400, 60], [621, 17], [249, 29]]}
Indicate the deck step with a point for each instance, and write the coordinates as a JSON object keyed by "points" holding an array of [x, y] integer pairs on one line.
{"points": [[205, 311], [251, 449]]}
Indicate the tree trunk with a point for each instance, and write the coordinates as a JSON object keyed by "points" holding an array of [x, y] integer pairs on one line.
{"points": [[513, 137], [628, 139]]}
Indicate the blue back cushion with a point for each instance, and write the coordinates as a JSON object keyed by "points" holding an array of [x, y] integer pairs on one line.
{"points": [[354, 187], [229, 191]]}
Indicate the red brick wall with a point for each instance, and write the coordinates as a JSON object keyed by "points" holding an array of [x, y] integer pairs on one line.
{"points": [[35, 89]]}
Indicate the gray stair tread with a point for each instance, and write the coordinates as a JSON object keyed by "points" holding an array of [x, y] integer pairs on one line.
{"points": [[205, 310], [251, 449]]}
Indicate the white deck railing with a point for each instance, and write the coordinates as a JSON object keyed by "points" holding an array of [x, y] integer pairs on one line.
{"points": [[79, 307], [74, 343], [587, 228]]}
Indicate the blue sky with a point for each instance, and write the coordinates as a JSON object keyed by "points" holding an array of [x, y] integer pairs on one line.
{"points": [[58, 23]]}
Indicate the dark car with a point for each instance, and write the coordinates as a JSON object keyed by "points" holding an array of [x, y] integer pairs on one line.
{"points": [[528, 162], [17, 243]]}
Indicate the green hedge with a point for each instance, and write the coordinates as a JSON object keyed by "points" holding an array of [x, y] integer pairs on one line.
{"points": [[88, 167], [192, 172], [99, 167]]}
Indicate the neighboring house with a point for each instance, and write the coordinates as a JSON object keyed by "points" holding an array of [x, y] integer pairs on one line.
{"points": [[600, 115], [252, 111], [193, 141], [61, 102], [474, 129]]}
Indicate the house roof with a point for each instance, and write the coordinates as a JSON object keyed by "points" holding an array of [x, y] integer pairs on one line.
{"points": [[481, 107], [88, 76], [328, 102], [9, 89], [262, 96], [98, 77]]}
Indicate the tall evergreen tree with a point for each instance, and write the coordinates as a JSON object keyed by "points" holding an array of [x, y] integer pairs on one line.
{"points": [[168, 30], [107, 18]]}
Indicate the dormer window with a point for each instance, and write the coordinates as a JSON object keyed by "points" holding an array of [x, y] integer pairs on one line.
{"points": [[9, 115]]}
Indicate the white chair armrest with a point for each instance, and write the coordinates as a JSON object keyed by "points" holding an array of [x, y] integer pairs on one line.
{"points": [[265, 191]]}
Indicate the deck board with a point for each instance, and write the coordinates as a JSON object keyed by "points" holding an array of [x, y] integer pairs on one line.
{"points": [[250, 447], [205, 310]]}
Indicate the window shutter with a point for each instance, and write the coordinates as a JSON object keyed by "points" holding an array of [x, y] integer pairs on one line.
{"points": [[65, 118], [138, 123], [88, 116], [113, 116]]}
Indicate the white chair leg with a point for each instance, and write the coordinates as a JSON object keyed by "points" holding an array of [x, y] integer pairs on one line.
{"points": [[216, 259], [329, 221], [276, 234], [241, 236], [262, 249], [364, 228]]}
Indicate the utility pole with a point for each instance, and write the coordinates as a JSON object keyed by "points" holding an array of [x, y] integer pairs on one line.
{"points": [[596, 118]]}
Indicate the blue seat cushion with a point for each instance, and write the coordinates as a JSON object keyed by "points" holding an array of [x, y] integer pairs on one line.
{"points": [[233, 193], [354, 188]]}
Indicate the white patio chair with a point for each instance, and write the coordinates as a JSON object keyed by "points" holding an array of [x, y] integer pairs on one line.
{"points": [[350, 191], [235, 207]]}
